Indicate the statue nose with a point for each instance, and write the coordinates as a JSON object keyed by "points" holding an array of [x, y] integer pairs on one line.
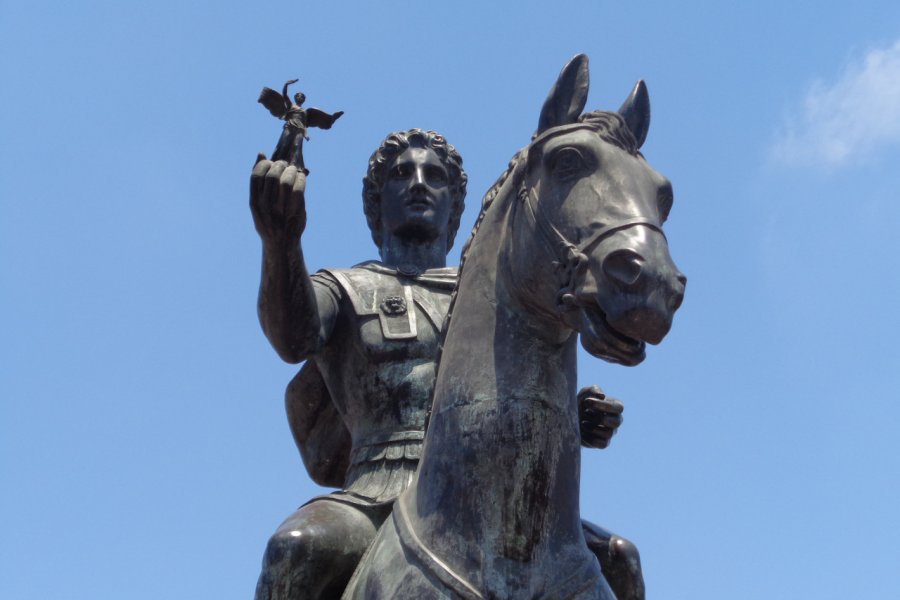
{"points": [[417, 182], [623, 267]]}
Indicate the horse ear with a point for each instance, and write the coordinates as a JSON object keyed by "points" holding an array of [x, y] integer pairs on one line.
{"points": [[636, 112], [568, 95]]}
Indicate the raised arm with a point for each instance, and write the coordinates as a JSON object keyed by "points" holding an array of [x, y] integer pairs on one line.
{"points": [[290, 316]]}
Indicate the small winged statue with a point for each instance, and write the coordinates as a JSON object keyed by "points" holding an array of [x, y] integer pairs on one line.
{"points": [[296, 122]]}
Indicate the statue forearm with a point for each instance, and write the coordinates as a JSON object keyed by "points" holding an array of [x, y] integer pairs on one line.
{"points": [[287, 302], [287, 306]]}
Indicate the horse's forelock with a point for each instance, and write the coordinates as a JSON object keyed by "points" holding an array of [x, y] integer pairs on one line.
{"points": [[611, 127]]}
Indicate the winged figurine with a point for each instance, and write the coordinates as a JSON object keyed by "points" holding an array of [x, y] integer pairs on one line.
{"points": [[297, 120]]}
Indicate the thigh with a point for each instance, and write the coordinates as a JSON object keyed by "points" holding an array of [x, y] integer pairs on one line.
{"points": [[315, 550], [619, 561], [325, 521]]}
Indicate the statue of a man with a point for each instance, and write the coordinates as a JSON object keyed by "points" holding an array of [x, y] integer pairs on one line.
{"points": [[369, 335]]}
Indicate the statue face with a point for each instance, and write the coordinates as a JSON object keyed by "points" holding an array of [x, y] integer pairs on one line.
{"points": [[415, 199]]}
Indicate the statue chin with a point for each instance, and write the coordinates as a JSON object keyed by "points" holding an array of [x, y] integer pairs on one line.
{"points": [[417, 231]]}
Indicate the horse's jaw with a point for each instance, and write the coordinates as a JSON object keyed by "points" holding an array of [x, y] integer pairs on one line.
{"points": [[601, 340]]}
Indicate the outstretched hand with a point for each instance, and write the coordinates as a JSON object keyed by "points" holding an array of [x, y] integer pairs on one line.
{"points": [[277, 201], [599, 416]]}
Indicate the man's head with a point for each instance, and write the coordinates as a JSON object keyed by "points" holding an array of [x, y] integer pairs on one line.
{"points": [[382, 173]]}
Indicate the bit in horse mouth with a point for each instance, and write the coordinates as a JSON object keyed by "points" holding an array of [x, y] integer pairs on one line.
{"points": [[601, 339]]}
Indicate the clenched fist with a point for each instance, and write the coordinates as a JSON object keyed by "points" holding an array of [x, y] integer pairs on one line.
{"points": [[277, 201], [599, 416]]}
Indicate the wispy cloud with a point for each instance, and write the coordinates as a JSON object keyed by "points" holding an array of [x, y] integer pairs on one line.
{"points": [[846, 121]]}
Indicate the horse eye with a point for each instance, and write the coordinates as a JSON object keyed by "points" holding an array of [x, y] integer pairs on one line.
{"points": [[665, 200], [567, 163]]}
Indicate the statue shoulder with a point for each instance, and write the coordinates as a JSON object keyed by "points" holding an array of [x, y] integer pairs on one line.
{"points": [[361, 286], [369, 286]]}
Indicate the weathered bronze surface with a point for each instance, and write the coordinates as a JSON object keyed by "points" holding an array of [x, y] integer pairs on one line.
{"points": [[493, 508], [569, 243]]}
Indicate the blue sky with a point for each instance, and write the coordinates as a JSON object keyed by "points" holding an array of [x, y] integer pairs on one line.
{"points": [[144, 451]]}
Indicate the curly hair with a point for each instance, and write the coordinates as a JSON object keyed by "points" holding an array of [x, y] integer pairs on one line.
{"points": [[394, 145]]}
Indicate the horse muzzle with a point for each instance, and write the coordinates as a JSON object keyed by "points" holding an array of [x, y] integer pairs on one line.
{"points": [[626, 303], [641, 300]]}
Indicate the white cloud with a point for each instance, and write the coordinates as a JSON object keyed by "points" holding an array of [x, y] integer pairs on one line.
{"points": [[849, 120]]}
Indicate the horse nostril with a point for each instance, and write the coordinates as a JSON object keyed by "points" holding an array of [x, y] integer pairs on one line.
{"points": [[623, 266], [678, 292]]}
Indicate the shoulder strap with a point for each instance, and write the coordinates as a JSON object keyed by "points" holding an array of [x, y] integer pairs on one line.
{"points": [[382, 294]]}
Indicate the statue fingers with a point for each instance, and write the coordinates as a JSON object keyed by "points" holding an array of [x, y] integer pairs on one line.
{"points": [[602, 425], [257, 185], [299, 189], [286, 181], [260, 168], [591, 391], [298, 201], [607, 411], [596, 440], [292, 182], [271, 188], [603, 405], [599, 420]]}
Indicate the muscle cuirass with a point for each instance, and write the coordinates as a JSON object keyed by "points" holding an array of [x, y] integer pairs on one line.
{"points": [[378, 368]]}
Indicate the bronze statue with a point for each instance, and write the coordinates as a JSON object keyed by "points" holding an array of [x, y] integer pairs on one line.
{"points": [[296, 122], [569, 243], [369, 336]]}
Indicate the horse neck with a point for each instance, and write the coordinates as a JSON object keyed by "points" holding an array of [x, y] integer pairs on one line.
{"points": [[499, 473]]}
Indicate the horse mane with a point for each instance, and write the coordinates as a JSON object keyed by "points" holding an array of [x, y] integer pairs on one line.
{"points": [[486, 203], [611, 128]]}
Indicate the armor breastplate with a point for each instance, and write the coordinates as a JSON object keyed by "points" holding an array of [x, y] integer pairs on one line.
{"points": [[391, 298], [378, 367]]}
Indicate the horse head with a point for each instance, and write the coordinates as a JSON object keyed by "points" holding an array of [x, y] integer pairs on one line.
{"points": [[598, 208]]}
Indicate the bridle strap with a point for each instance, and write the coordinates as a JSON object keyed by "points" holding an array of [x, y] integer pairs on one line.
{"points": [[619, 226], [562, 247]]}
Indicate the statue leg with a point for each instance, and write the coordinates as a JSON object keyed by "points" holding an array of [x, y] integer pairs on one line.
{"points": [[314, 552], [297, 153], [619, 561], [285, 146]]}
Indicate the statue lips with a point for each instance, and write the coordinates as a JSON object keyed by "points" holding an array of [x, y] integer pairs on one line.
{"points": [[420, 203]]}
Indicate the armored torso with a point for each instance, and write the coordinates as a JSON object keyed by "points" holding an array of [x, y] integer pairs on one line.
{"points": [[378, 367]]}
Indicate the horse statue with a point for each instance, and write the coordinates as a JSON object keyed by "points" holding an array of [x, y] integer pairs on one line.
{"points": [[569, 242]]}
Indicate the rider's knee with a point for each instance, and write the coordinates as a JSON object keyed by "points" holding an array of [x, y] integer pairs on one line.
{"points": [[291, 546], [623, 549]]}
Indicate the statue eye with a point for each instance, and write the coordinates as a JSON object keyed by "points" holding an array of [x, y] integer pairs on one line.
{"points": [[436, 175], [567, 163], [400, 171]]}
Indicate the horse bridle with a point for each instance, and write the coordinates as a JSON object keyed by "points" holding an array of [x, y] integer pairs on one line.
{"points": [[571, 260]]}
